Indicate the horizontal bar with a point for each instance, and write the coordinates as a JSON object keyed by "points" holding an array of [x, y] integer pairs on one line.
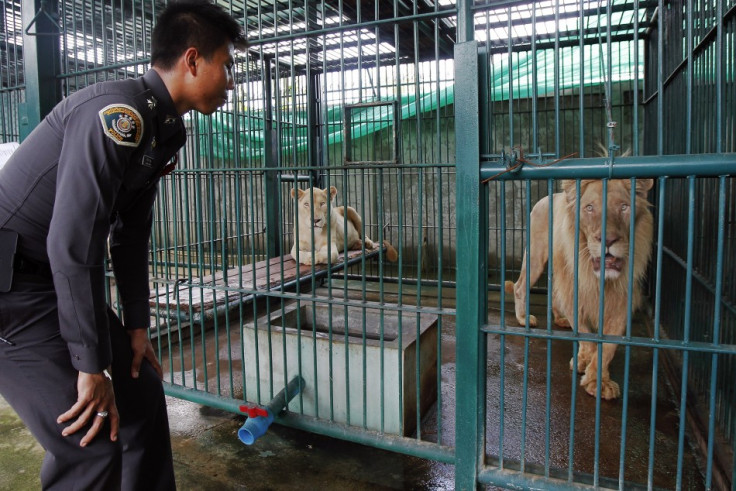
{"points": [[104, 68], [393, 443], [385, 441], [353, 163], [704, 165], [505, 4], [335, 301], [291, 178], [301, 168], [726, 349], [205, 398], [410, 282], [512, 479], [198, 316], [247, 296], [302, 34], [359, 105], [13, 88]]}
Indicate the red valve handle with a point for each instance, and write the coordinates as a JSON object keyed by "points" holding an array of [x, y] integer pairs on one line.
{"points": [[253, 411]]}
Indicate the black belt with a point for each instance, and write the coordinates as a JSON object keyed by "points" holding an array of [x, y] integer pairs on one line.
{"points": [[25, 265]]}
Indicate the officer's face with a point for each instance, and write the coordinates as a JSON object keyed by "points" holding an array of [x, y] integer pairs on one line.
{"points": [[214, 79]]}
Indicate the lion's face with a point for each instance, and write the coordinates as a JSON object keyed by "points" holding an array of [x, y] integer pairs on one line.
{"points": [[609, 249], [318, 214]]}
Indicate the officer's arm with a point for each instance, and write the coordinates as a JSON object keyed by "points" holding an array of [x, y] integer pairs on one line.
{"points": [[129, 249], [129, 241], [90, 171]]}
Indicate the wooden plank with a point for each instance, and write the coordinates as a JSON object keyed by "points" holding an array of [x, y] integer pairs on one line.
{"points": [[272, 274]]}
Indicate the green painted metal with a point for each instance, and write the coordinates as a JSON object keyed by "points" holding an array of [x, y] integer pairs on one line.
{"points": [[41, 67], [619, 168], [716, 330], [459, 124], [418, 448], [471, 289], [271, 161]]}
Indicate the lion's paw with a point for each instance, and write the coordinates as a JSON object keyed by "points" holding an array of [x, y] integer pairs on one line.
{"points": [[562, 322], [522, 320], [609, 390], [305, 258], [582, 363]]}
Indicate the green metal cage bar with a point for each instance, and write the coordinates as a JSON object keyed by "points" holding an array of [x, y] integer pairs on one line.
{"points": [[540, 90]]}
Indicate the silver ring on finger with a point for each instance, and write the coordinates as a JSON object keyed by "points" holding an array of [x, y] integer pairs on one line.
{"points": [[102, 414]]}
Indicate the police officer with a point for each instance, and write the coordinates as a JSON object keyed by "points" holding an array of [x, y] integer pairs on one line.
{"points": [[87, 385]]}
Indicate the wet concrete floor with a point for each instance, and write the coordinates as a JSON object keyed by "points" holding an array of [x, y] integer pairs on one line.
{"points": [[209, 456]]}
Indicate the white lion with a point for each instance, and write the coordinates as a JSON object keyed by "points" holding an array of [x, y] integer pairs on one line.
{"points": [[315, 207]]}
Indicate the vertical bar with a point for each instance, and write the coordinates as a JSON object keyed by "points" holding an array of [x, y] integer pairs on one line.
{"points": [[581, 81], [502, 318], [575, 330], [608, 82], [720, 74], [270, 143], [635, 104], [527, 327], [716, 332], [470, 343], [510, 54], [401, 197], [550, 323], [601, 324], [418, 100], [660, 77], [557, 68], [690, 76], [657, 316], [535, 88], [41, 67], [627, 353], [686, 327]]}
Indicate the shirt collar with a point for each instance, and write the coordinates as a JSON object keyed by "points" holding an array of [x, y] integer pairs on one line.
{"points": [[170, 122]]}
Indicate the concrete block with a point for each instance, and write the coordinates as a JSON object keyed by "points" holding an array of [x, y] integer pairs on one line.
{"points": [[365, 375]]}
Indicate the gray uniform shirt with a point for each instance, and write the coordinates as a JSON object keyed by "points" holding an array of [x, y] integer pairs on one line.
{"points": [[90, 171]]}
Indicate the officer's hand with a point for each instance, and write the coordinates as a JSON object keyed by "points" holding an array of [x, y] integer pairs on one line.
{"points": [[94, 394], [142, 348]]}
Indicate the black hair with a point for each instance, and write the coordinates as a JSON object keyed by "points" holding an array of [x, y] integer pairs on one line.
{"points": [[186, 23]]}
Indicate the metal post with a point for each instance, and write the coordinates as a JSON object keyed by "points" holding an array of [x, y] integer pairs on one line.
{"points": [[271, 160], [41, 62], [313, 125], [471, 218]]}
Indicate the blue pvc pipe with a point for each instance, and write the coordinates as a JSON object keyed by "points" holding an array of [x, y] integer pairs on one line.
{"points": [[255, 427]]}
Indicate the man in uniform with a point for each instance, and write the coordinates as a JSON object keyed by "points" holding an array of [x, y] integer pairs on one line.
{"points": [[88, 173]]}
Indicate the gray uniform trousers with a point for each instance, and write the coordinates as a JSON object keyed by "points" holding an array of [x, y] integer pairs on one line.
{"points": [[40, 383]]}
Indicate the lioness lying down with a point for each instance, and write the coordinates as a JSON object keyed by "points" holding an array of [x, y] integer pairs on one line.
{"points": [[315, 218], [614, 264]]}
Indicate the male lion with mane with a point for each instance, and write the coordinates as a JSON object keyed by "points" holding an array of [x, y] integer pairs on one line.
{"points": [[313, 223], [614, 264]]}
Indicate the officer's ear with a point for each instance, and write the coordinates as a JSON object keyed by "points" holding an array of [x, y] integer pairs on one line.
{"points": [[191, 56]]}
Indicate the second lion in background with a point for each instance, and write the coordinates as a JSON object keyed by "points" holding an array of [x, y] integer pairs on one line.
{"points": [[315, 207]]}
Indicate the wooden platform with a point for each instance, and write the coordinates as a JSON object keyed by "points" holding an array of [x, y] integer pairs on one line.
{"points": [[229, 288]]}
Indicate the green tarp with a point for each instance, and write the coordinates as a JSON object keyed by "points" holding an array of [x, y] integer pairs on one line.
{"points": [[519, 78]]}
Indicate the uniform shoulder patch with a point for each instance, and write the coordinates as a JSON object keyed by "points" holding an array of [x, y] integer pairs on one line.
{"points": [[122, 124]]}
